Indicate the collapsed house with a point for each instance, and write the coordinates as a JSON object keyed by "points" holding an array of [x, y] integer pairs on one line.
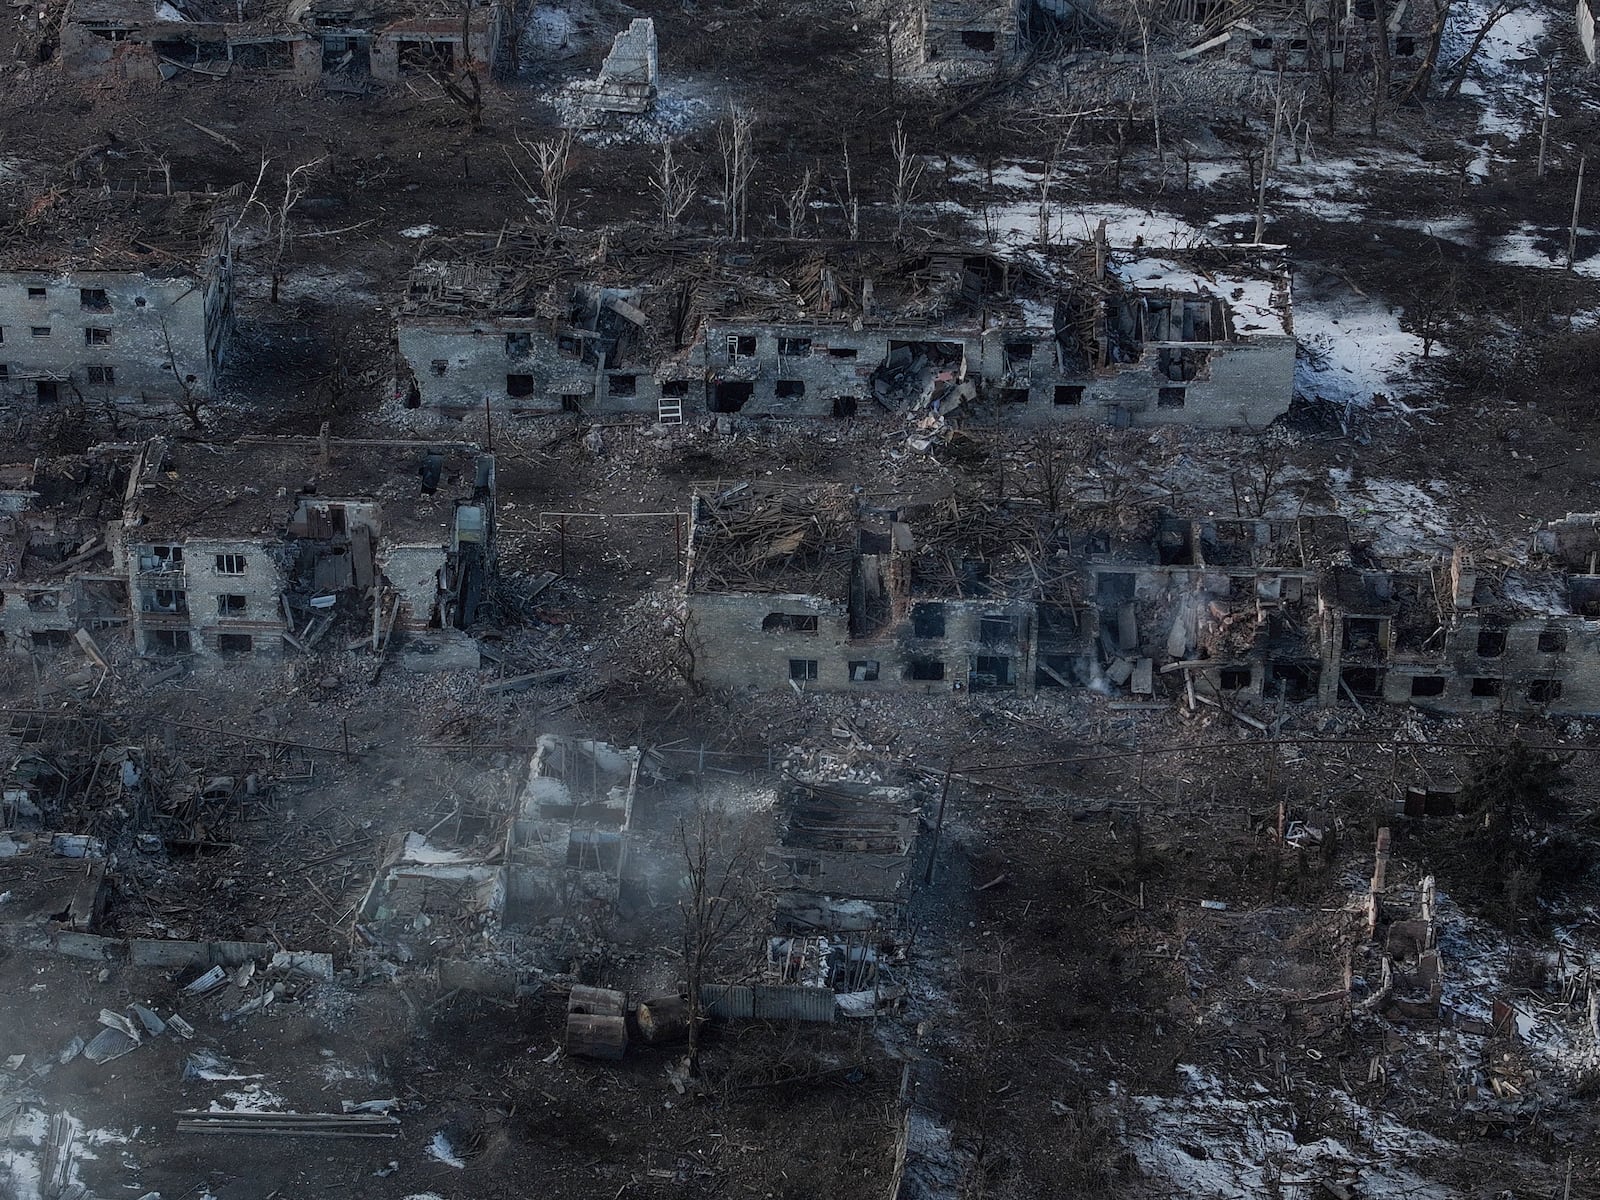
{"points": [[821, 587], [535, 323], [108, 298], [1328, 36], [342, 45], [956, 39], [269, 543], [567, 842]]}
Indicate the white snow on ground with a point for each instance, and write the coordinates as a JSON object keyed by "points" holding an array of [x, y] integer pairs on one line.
{"points": [[1505, 76], [1249, 299], [1400, 518], [1126, 225], [1359, 349], [1533, 246], [440, 1150], [1207, 1144]]}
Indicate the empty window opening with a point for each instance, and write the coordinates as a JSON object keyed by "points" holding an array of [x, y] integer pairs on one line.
{"points": [[990, 670], [230, 604], [574, 402], [1552, 641], [927, 621], [1363, 635], [1405, 47], [996, 629], [594, 850], [1013, 395], [865, 671], [36, 293], [803, 668], [981, 40], [439, 366], [1060, 670], [1543, 691], [49, 639], [844, 407], [169, 641], [1486, 685], [94, 299], [101, 375], [569, 345], [1234, 679], [418, 57], [519, 345], [622, 385], [841, 352], [43, 601], [1171, 397], [269, 56], [230, 564], [1491, 643], [47, 390], [789, 623], [235, 643], [1115, 586], [1261, 43], [1363, 682], [1057, 620], [794, 347], [790, 389], [675, 389], [1018, 353], [96, 337], [1297, 681], [5, 372], [741, 346], [39, 331], [1069, 394], [925, 670], [519, 386], [1425, 686], [730, 397]]}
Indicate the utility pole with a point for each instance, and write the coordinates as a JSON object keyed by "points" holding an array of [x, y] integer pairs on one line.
{"points": [[1577, 200], [1544, 120]]}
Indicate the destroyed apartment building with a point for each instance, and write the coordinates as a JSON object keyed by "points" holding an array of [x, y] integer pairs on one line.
{"points": [[825, 587], [342, 45], [534, 323], [58, 572], [1299, 35], [268, 544], [111, 298]]}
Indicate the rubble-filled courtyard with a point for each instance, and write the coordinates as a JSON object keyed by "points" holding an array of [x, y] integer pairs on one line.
{"points": [[905, 599]]}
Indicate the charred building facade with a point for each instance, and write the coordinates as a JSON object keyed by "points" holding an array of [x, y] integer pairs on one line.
{"points": [[537, 325], [823, 587]]}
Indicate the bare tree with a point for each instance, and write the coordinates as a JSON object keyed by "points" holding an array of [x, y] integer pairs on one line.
{"points": [[721, 863], [736, 145], [1382, 65], [675, 186], [1147, 13], [552, 160], [1269, 158], [295, 182], [797, 201], [193, 402], [1262, 478], [848, 202], [907, 174]]}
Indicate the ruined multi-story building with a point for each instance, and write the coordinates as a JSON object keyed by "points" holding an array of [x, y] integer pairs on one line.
{"points": [[344, 45], [57, 541], [268, 543], [108, 298], [818, 587], [796, 329]]}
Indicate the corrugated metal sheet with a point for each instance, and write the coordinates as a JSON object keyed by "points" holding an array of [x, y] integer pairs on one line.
{"points": [[780, 1003], [769, 1002], [727, 1001]]}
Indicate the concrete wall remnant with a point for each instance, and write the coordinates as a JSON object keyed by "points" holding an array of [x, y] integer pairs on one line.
{"points": [[627, 80]]}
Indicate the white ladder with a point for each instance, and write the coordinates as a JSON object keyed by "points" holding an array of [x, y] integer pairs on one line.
{"points": [[669, 410]]}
